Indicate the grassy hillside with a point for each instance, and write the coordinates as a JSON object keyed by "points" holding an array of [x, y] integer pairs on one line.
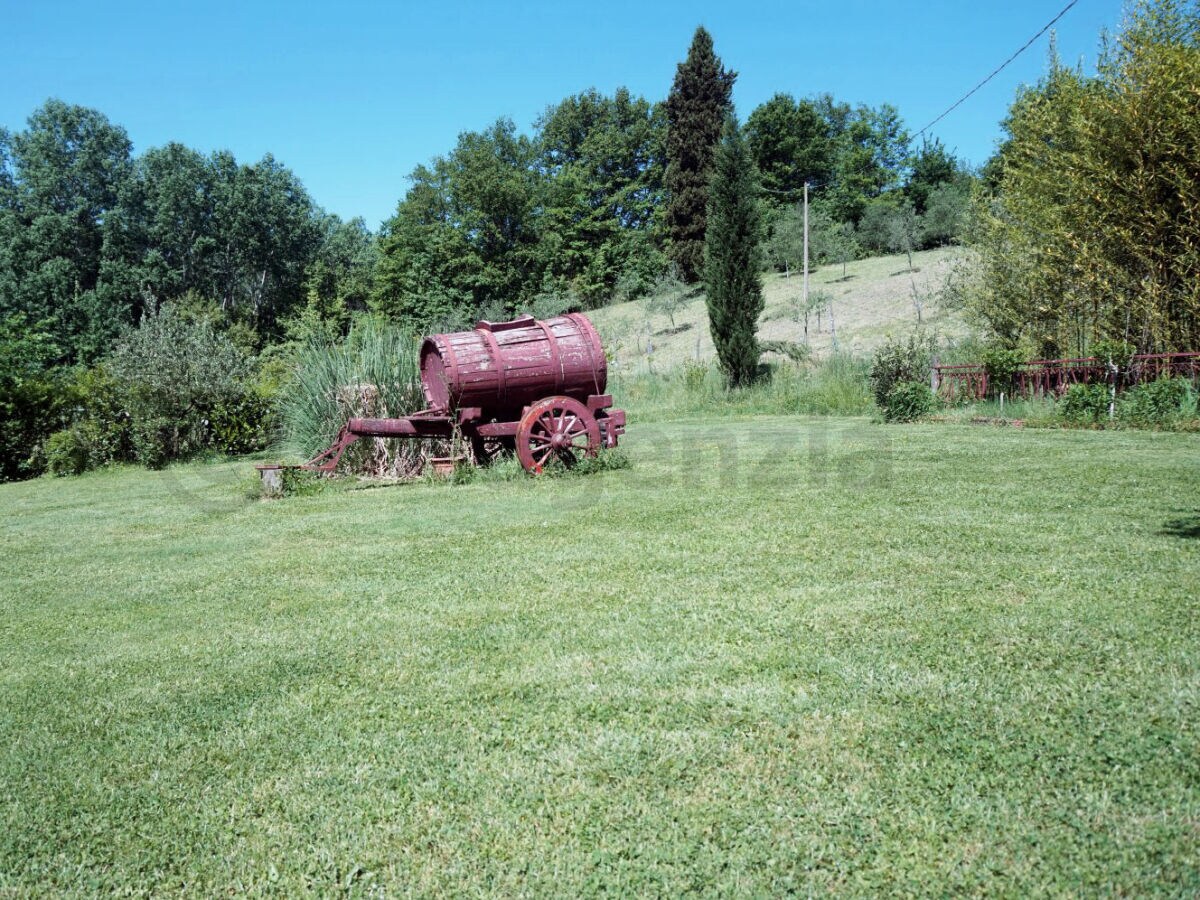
{"points": [[873, 298], [777, 654]]}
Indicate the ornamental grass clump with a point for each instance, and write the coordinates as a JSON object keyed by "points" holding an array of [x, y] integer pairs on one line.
{"points": [[372, 373]]}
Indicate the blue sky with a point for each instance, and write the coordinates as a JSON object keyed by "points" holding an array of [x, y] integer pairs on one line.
{"points": [[351, 96]]}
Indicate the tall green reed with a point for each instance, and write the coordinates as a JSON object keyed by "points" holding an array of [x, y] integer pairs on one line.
{"points": [[373, 373]]}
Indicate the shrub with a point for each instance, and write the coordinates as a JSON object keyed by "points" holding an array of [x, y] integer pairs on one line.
{"points": [[1002, 366], [105, 422], [246, 423], [156, 439], [1085, 404], [34, 397], [1157, 403], [695, 373], [172, 372], [896, 361], [67, 453], [908, 401], [30, 410], [301, 483], [85, 445]]}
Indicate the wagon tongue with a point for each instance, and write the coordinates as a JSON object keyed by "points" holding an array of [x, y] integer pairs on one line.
{"points": [[325, 462], [426, 423]]}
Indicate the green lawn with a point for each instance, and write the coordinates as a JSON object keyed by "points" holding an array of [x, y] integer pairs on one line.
{"points": [[774, 655]]}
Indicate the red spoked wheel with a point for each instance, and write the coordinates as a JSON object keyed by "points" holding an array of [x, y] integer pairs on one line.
{"points": [[557, 429]]}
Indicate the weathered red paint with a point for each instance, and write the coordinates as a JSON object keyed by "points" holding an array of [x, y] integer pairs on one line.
{"points": [[557, 427], [502, 367], [526, 385]]}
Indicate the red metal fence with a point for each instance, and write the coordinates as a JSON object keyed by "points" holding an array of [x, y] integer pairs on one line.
{"points": [[969, 381]]}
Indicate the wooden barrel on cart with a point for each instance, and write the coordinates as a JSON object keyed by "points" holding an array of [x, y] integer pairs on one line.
{"points": [[502, 367]]}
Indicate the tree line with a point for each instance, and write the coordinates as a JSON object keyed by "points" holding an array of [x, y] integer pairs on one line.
{"points": [[610, 191], [607, 193], [1090, 229], [91, 237], [1084, 226]]}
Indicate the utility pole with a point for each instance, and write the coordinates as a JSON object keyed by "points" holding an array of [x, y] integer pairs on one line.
{"points": [[806, 244]]}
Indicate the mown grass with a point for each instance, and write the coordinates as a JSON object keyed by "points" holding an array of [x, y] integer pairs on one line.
{"points": [[775, 654]]}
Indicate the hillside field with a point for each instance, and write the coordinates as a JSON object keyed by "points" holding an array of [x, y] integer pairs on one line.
{"points": [[776, 654], [872, 299]]}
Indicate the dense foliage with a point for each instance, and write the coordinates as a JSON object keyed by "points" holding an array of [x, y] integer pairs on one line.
{"points": [[34, 396], [1095, 231], [696, 110], [505, 217], [605, 159], [61, 182], [95, 241], [900, 360], [173, 375], [1159, 403], [792, 143], [92, 238], [1165, 403], [907, 401], [732, 259], [171, 387]]}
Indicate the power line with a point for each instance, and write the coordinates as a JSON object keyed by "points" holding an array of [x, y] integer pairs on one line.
{"points": [[791, 192], [998, 70]]}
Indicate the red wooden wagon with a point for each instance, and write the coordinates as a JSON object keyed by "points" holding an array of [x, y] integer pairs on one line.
{"points": [[529, 386]]}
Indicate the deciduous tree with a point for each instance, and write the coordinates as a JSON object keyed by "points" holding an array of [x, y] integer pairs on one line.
{"points": [[872, 153], [66, 172], [790, 143], [601, 158], [1096, 230]]}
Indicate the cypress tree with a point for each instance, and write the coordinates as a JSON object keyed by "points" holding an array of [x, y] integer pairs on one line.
{"points": [[733, 258], [696, 109]]}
